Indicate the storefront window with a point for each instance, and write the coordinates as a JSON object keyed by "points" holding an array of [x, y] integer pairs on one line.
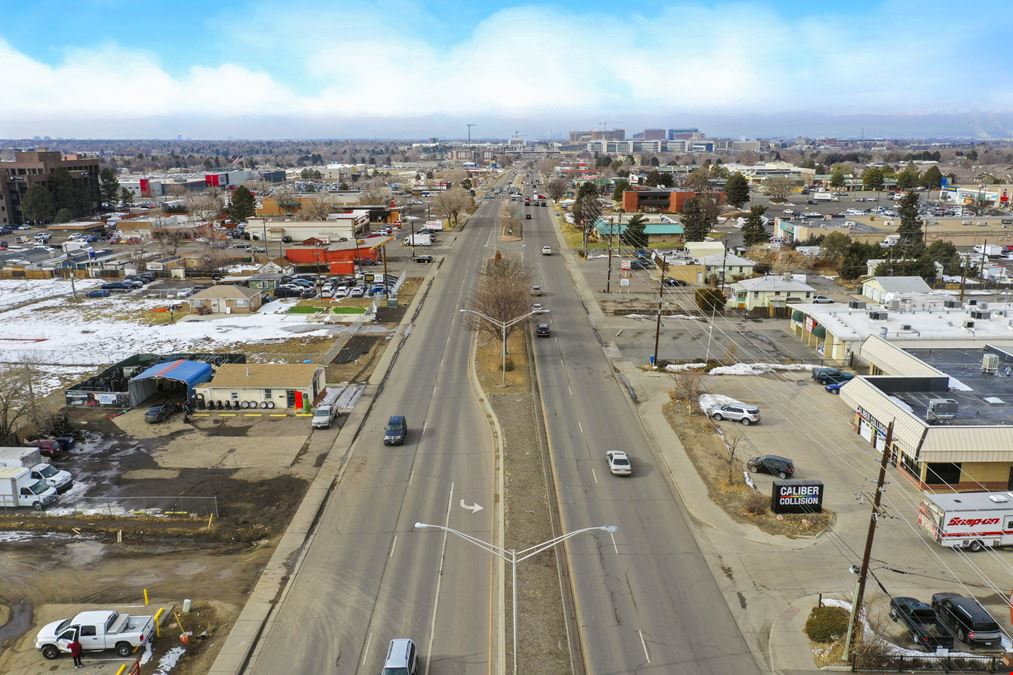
{"points": [[942, 473]]}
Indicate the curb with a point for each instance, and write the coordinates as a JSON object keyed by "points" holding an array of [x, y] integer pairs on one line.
{"points": [[786, 637], [241, 644]]}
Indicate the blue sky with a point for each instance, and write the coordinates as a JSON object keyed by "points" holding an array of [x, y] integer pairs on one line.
{"points": [[94, 67]]}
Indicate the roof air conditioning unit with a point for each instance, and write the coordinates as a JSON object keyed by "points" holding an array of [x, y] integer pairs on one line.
{"points": [[968, 323], [972, 302], [982, 305], [855, 304], [951, 304], [981, 314], [990, 364], [878, 315], [905, 326], [941, 410]]}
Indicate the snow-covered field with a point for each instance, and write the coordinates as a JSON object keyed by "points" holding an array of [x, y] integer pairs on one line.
{"points": [[14, 292], [741, 368], [98, 331]]}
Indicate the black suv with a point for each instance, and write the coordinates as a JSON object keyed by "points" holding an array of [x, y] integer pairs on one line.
{"points": [[542, 330], [423, 258], [968, 619], [782, 467]]}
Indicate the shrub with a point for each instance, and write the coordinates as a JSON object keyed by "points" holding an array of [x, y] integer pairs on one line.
{"points": [[756, 505], [827, 624], [710, 299]]}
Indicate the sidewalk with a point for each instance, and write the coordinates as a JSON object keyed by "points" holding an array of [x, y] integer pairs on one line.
{"points": [[788, 645]]}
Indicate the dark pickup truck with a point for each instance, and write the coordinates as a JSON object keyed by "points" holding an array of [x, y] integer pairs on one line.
{"points": [[921, 619]]}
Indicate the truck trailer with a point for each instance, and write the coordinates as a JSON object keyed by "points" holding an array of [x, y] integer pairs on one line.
{"points": [[972, 520]]}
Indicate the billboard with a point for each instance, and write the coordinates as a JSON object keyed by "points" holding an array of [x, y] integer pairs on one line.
{"points": [[797, 496]]}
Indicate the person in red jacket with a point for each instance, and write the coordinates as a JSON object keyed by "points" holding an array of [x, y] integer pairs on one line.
{"points": [[75, 651]]}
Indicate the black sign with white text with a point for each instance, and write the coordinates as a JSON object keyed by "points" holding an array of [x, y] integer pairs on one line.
{"points": [[797, 496]]}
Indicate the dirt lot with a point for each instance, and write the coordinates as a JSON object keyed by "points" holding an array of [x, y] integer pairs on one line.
{"points": [[723, 474], [256, 467]]}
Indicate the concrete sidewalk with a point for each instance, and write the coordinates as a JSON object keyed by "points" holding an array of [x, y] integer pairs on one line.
{"points": [[241, 645], [788, 646]]}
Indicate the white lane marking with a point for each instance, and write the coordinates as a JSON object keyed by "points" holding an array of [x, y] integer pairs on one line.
{"points": [[579, 426], [616, 548], [365, 652], [644, 645], [411, 476], [425, 425], [569, 390], [593, 473], [439, 579], [561, 362], [392, 547]]}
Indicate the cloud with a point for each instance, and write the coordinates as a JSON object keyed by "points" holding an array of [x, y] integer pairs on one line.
{"points": [[400, 59]]}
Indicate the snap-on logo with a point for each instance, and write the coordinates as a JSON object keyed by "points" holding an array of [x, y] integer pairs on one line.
{"points": [[971, 522]]}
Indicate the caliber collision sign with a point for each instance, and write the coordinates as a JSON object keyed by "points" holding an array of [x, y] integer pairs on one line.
{"points": [[797, 496]]}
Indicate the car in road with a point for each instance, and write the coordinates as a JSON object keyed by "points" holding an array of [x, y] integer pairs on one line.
{"points": [[831, 375], [619, 463], [775, 465], [736, 412], [542, 330], [639, 264], [546, 250], [536, 289], [968, 619], [527, 216], [402, 658], [669, 281], [98, 293], [423, 259], [822, 299], [395, 431], [159, 412], [536, 308]]}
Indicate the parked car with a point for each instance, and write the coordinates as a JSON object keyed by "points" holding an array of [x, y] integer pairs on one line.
{"points": [[831, 375], [147, 276], [775, 465], [736, 412], [834, 387], [542, 330], [822, 299], [356, 291], [97, 293], [619, 463], [968, 619], [638, 264], [402, 658], [117, 286], [96, 631], [423, 258], [159, 412], [527, 216], [669, 281], [921, 620], [308, 293], [49, 447]]}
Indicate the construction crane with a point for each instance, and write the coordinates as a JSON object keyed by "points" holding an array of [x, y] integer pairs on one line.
{"points": [[469, 131]]}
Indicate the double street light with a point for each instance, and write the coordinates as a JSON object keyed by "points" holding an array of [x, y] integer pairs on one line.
{"points": [[503, 326], [513, 556]]}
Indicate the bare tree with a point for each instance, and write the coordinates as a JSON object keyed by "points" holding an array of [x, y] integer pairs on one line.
{"points": [[509, 219], [205, 206], [688, 384], [556, 188], [729, 453], [374, 196], [778, 187], [586, 211], [169, 239], [502, 295], [212, 242], [21, 404], [317, 209], [451, 203]]}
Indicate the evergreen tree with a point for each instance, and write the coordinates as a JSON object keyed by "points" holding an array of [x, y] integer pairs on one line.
{"points": [[837, 177], [872, 178], [931, 178], [753, 232], [634, 235], [109, 187], [127, 197], [617, 192], [697, 219], [38, 205], [908, 178], [243, 204], [910, 229], [737, 190], [63, 216]]}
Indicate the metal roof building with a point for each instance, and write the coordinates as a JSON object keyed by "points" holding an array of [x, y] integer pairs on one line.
{"points": [[172, 377]]}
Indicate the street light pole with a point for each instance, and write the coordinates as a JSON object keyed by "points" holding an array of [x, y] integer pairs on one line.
{"points": [[502, 325], [513, 556]]}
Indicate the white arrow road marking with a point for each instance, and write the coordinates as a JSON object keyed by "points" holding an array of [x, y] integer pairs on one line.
{"points": [[474, 508]]}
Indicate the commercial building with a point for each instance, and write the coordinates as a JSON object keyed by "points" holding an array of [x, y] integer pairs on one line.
{"points": [[22, 170], [263, 385], [337, 227], [657, 229], [952, 411], [769, 291], [338, 257], [665, 200], [885, 289]]}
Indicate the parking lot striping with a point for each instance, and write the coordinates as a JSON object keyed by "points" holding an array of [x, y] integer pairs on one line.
{"points": [[644, 645], [365, 652], [439, 579], [593, 473], [393, 545], [615, 548]]}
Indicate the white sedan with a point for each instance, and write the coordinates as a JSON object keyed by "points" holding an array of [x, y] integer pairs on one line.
{"points": [[619, 463], [546, 250]]}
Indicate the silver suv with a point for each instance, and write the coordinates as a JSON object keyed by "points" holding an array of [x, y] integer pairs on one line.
{"points": [[736, 412], [402, 658]]}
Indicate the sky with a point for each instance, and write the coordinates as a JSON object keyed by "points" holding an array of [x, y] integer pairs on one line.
{"points": [[403, 68]]}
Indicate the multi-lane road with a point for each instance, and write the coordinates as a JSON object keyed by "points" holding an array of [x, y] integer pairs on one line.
{"points": [[366, 576], [645, 600]]}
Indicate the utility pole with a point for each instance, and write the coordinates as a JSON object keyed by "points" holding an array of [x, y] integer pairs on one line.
{"points": [[413, 237], [469, 132], [963, 275], [984, 257], [608, 279], [724, 266], [856, 608], [661, 293]]}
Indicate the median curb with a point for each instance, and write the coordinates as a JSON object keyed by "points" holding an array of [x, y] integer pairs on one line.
{"points": [[241, 646]]}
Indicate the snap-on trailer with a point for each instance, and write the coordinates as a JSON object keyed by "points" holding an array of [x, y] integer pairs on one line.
{"points": [[971, 520]]}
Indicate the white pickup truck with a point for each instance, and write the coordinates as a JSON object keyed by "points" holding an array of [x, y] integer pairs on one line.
{"points": [[97, 631]]}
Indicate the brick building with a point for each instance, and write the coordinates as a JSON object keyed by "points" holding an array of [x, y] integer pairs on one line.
{"points": [[26, 169]]}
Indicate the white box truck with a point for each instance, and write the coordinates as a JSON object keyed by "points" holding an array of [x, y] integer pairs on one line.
{"points": [[433, 226], [970, 520], [825, 197], [41, 469], [19, 489], [418, 239], [990, 250]]}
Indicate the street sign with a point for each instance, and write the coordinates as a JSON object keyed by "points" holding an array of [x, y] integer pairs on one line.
{"points": [[624, 282], [626, 265]]}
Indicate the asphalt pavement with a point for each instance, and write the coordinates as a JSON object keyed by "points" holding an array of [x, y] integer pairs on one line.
{"points": [[645, 598], [367, 576]]}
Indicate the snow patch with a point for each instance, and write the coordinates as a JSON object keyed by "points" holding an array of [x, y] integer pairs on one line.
{"points": [[169, 660], [681, 367], [759, 368], [708, 402], [958, 385]]}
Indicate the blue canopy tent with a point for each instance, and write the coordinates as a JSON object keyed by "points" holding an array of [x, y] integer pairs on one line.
{"points": [[182, 376]]}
